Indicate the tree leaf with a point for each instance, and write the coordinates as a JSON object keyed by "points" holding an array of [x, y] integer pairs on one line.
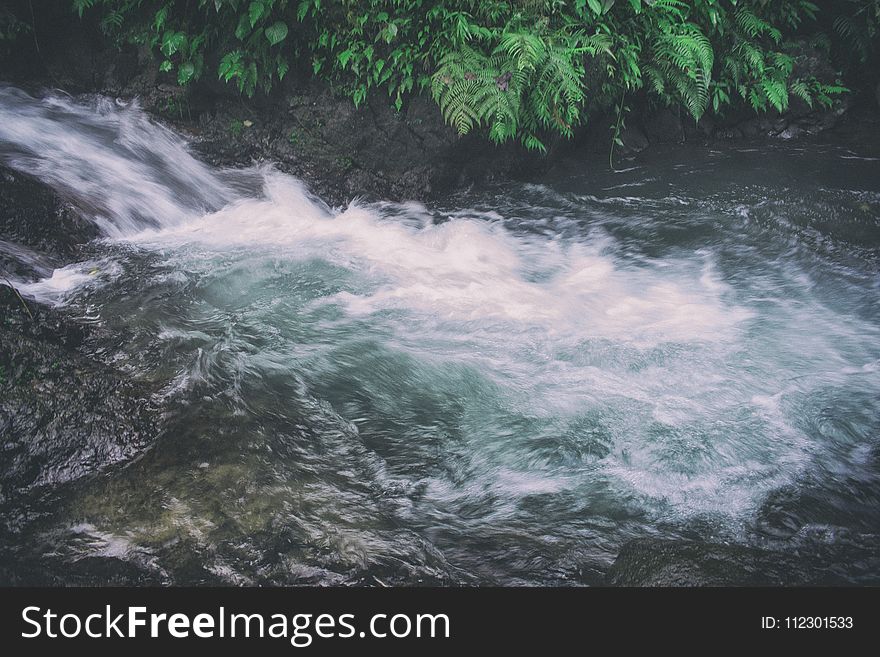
{"points": [[343, 57], [172, 42], [256, 11], [243, 28], [277, 32], [302, 10], [230, 65], [185, 73], [159, 20]]}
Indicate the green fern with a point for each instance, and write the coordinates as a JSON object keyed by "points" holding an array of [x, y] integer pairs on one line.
{"points": [[523, 49], [775, 93], [516, 70], [112, 21], [528, 83], [682, 68], [753, 26], [859, 27], [80, 6], [799, 89]]}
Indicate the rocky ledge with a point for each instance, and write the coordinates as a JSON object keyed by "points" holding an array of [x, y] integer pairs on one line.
{"points": [[63, 415]]}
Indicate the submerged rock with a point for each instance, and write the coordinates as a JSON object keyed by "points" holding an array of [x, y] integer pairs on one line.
{"points": [[87, 571], [657, 562]]}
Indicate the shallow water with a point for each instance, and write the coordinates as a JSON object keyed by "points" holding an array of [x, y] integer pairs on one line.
{"points": [[503, 387]]}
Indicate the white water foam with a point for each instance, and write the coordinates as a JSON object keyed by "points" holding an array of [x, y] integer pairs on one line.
{"points": [[658, 352], [467, 270], [123, 169], [67, 281]]}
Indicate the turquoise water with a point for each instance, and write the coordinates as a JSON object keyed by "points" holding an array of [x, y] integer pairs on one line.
{"points": [[502, 386]]}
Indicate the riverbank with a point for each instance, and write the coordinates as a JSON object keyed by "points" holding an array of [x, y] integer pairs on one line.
{"points": [[307, 129]]}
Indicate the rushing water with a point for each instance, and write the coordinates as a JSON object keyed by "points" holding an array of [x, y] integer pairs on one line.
{"points": [[504, 387]]}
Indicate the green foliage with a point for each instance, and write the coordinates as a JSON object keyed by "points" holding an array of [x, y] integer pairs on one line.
{"points": [[681, 67], [521, 69], [175, 106], [857, 23], [236, 127], [11, 28], [245, 39], [530, 81]]}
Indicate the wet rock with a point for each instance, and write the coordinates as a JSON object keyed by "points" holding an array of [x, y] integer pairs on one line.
{"points": [[86, 571], [343, 152], [656, 562], [649, 562], [793, 124], [32, 216], [664, 127], [800, 119], [848, 500], [634, 139], [62, 416]]}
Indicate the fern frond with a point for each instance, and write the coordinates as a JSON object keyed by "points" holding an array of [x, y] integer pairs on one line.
{"points": [[800, 89], [753, 26], [684, 60], [776, 93], [524, 48]]}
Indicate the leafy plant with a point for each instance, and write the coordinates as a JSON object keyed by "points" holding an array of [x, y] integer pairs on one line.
{"points": [[532, 80], [236, 127], [521, 69], [11, 28], [858, 24], [681, 67]]}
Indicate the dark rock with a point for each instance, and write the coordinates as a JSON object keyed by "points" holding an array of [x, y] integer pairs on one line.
{"points": [[62, 416], [33, 216], [699, 131], [634, 140], [87, 571], [800, 119], [664, 127], [789, 510], [344, 153], [21, 263]]}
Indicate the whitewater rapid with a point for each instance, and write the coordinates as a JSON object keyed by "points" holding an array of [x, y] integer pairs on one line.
{"points": [[551, 364]]}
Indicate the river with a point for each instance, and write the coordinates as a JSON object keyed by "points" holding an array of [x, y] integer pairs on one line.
{"points": [[505, 386]]}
